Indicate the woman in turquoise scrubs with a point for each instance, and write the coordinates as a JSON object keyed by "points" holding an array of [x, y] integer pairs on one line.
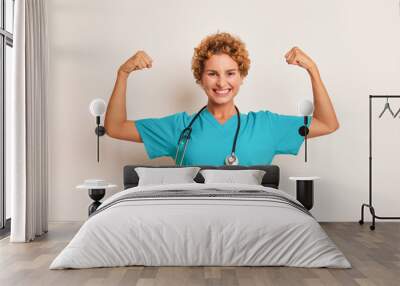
{"points": [[220, 63]]}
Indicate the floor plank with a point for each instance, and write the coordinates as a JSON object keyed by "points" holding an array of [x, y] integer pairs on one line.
{"points": [[374, 255]]}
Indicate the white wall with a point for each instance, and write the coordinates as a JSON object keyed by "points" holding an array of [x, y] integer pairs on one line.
{"points": [[356, 45]]}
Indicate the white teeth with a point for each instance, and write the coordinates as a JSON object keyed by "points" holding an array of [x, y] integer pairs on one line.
{"points": [[225, 91]]}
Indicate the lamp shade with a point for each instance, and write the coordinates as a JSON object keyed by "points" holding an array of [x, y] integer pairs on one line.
{"points": [[306, 107], [97, 107]]}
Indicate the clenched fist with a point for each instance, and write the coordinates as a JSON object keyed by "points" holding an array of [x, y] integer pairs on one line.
{"points": [[138, 61], [297, 57]]}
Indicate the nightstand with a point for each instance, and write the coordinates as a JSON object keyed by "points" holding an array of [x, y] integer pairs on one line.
{"points": [[96, 189], [305, 190]]}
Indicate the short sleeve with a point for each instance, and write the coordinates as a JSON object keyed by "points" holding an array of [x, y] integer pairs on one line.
{"points": [[285, 132], [160, 135]]}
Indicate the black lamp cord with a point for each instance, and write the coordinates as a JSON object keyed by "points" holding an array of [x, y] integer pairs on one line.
{"points": [[98, 136], [305, 137]]}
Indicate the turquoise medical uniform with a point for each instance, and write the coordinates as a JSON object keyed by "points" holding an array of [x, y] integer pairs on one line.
{"points": [[262, 135]]}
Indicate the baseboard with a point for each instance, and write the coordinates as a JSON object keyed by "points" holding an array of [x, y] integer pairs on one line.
{"points": [[66, 221]]}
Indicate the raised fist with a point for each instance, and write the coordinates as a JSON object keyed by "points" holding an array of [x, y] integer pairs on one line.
{"points": [[297, 57], [138, 61]]}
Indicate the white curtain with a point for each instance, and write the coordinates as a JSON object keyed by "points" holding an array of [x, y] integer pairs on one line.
{"points": [[28, 123]]}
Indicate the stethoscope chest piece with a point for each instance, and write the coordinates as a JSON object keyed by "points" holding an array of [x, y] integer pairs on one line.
{"points": [[232, 160]]}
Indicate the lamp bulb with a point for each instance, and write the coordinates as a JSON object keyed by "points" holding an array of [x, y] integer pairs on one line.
{"points": [[306, 107], [97, 107]]}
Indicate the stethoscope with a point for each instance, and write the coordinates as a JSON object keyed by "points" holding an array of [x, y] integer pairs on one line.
{"points": [[184, 138]]}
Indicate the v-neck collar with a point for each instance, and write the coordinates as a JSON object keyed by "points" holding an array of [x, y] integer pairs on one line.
{"points": [[211, 118]]}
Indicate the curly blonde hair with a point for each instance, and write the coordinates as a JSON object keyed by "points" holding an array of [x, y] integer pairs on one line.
{"points": [[220, 43]]}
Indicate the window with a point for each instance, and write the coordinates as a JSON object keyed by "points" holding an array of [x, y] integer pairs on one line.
{"points": [[6, 62]]}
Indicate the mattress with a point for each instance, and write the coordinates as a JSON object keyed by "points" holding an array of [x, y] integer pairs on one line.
{"points": [[201, 225]]}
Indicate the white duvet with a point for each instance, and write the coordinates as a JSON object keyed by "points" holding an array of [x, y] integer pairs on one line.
{"points": [[219, 231]]}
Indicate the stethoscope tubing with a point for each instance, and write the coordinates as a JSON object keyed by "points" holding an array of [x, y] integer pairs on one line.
{"points": [[189, 130]]}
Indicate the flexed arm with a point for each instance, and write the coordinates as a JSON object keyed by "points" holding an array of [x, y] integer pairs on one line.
{"points": [[115, 122], [324, 119]]}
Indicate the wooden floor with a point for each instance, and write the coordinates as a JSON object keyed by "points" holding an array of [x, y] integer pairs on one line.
{"points": [[374, 255]]}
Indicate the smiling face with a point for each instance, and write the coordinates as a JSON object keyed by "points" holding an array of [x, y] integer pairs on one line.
{"points": [[221, 79]]}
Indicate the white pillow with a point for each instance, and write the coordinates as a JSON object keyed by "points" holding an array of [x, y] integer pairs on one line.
{"points": [[249, 177], [162, 176]]}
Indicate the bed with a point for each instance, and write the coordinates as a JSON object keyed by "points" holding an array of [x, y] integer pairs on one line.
{"points": [[201, 224]]}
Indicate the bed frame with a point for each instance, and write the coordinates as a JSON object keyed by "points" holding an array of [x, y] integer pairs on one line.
{"points": [[270, 179]]}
